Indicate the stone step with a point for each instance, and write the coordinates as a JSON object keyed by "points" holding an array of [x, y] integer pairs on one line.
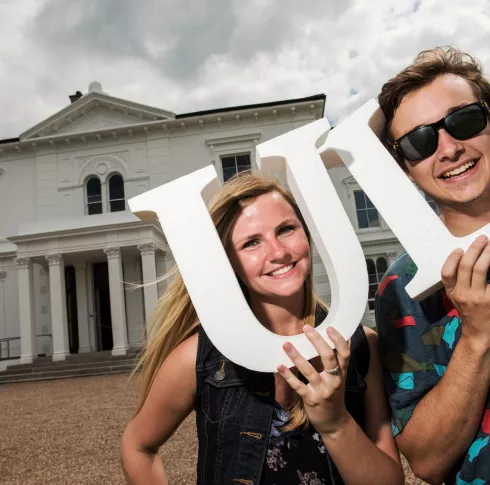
{"points": [[65, 374], [67, 365], [75, 359]]}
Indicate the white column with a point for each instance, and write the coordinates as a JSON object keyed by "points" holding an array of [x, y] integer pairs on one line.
{"points": [[150, 291], [118, 307], [57, 295], [3, 320], [82, 308], [28, 344], [161, 270]]}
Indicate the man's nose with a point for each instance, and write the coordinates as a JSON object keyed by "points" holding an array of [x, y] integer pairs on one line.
{"points": [[448, 147]]}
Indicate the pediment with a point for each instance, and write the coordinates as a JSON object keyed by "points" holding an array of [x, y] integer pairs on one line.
{"points": [[93, 112], [101, 118]]}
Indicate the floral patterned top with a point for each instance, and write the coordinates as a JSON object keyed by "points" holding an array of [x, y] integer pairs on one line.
{"points": [[296, 457]]}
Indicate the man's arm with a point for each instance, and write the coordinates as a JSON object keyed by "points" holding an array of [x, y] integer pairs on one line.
{"points": [[446, 419]]}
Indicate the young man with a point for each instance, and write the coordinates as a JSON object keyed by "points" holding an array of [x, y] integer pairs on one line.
{"points": [[437, 352]]}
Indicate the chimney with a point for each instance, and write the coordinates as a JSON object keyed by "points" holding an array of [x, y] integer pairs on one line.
{"points": [[75, 97]]}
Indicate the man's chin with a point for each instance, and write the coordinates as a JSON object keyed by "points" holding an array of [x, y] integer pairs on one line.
{"points": [[465, 201]]}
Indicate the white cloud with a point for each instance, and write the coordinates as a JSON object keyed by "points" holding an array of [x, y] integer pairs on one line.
{"points": [[268, 50]]}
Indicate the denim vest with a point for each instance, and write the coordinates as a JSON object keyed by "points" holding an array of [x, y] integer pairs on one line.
{"points": [[234, 409]]}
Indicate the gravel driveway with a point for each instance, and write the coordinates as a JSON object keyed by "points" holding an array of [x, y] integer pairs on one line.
{"points": [[66, 432]]}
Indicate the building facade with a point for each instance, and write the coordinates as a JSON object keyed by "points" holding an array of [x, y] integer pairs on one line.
{"points": [[73, 257]]}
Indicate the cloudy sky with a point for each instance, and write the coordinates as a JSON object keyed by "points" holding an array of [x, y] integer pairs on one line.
{"points": [[188, 55]]}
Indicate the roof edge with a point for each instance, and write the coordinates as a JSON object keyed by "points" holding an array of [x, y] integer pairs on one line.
{"points": [[315, 97]]}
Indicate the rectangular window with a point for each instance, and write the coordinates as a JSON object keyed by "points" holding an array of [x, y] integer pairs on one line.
{"points": [[367, 214], [376, 268], [234, 164]]}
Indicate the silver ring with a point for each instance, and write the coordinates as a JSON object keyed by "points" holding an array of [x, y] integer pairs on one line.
{"points": [[333, 372]]}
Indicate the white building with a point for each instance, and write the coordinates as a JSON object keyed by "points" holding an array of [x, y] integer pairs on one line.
{"points": [[68, 240]]}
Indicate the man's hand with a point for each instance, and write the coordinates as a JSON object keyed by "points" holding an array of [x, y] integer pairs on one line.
{"points": [[464, 276]]}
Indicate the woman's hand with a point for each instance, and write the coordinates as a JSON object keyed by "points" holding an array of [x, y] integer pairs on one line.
{"points": [[324, 395]]}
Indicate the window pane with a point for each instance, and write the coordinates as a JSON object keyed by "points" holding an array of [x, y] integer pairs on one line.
{"points": [[373, 218], [116, 187], [243, 162], [372, 291], [373, 279], [381, 266], [360, 200], [362, 219], [94, 198], [228, 173], [243, 169], [434, 206], [228, 162], [370, 266], [368, 202], [371, 304], [432, 203], [117, 205], [93, 187], [94, 208]]}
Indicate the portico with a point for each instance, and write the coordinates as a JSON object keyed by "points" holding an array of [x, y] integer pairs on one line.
{"points": [[120, 245]]}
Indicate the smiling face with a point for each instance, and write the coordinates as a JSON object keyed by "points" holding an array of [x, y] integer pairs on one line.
{"points": [[458, 173], [269, 249]]}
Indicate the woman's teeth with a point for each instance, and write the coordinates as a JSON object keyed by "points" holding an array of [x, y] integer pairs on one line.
{"points": [[283, 270]]}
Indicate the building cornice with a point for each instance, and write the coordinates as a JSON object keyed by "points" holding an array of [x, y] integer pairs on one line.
{"points": [[287, 102], [226, 140], [85, 230], [383, 238], [181, 125], [8, 255]]}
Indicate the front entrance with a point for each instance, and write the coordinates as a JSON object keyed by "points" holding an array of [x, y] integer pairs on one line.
{"points": [[102, 307], [71, 309]]}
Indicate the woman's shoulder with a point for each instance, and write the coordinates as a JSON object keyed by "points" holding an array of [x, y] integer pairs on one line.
{"points": [[188, 349], [371, 337], [360, 348], [185, 354], [373, 344]]}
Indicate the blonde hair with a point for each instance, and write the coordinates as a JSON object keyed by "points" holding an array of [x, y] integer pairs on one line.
{"points": [[175, 318]]}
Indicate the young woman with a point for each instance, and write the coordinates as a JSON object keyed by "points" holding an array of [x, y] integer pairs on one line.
{"points": [[325, 421]]}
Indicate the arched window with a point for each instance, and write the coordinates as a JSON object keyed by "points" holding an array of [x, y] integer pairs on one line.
{"points": [[94, 196], [376, 268], [117, 201]]}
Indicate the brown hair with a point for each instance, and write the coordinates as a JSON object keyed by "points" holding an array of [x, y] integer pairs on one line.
{"points": [[427, 66], [175, 318]]}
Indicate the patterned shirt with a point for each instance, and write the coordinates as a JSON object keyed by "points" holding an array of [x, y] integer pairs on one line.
{"points": [[296, 457], [417, 340]]}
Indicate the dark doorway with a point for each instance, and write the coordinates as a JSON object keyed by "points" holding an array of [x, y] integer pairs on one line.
{"points": [[71, 309], [102, 306]]}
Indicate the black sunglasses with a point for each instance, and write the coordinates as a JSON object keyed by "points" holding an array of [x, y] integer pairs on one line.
{"points": [[462, 124]]}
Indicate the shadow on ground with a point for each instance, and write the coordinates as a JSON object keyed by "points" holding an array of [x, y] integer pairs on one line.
{"points": [[66, 432]]}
